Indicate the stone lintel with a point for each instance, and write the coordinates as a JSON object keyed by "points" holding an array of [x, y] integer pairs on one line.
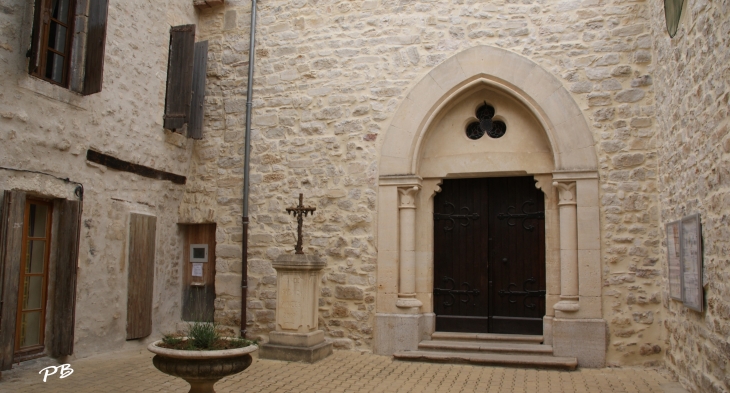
{"points": [[295, 354], [574, 175], [303, 340], [400, 180]]}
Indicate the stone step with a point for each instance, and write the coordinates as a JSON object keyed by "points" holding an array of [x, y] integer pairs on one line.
{"points": [[490, 359], [485, 346], [505, 338]]}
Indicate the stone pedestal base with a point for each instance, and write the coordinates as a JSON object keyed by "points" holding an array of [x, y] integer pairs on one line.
{"points": [[584, 339], [401, 332], [295, 338], [296, 347], [296, 354]]}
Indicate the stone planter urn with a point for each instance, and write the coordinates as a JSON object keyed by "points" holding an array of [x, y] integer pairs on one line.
{"points": [[201, 369]]}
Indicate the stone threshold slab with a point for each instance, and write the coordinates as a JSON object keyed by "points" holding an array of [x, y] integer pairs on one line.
{"points": [[530, 361], [517, 338], [481, 346]]}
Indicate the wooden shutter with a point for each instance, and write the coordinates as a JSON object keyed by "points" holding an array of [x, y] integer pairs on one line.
{"points": [[200, 69], [142, 230], [95, 46], [35, 42], [64, 295], [179, 76], [11, 238]]}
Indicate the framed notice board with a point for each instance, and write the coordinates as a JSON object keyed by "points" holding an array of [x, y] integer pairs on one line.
{"points": [[674, 260], [691, 251]]}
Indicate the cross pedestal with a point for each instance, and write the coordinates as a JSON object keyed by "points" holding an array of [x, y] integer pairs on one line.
{"points": [[296, 337]]}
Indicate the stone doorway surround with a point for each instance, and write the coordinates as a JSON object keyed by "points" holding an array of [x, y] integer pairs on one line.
{"points": [[551, 141]]}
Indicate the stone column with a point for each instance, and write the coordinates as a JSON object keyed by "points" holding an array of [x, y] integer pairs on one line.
{"points": [[407, 283], [297, 337], [568, 247]]}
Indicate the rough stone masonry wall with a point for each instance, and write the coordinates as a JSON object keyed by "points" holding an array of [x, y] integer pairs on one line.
{"points": [[329, 76], [48, 128], [692, 94]]}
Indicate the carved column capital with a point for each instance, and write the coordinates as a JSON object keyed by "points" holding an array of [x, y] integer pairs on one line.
{"points": [[408, 197], [566, 192]]}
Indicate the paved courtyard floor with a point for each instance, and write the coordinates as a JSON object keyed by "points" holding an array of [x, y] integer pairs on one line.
{"points": [[344, 372]]}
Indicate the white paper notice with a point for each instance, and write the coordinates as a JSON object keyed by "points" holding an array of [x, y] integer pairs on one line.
{"points": [[197, 270]]}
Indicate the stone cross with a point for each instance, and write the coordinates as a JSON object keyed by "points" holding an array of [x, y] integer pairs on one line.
{"points": [[300, 212]]}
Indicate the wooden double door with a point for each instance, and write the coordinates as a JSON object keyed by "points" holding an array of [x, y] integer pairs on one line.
{"points": [[489, 256]]}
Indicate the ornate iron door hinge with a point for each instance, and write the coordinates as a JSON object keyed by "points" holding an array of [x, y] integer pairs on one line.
{"points": [[453, 292], [524, 292], [468, 216], [511, 216]]}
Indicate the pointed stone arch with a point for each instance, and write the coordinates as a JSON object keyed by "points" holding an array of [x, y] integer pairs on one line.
{"points": [[571, 139]]}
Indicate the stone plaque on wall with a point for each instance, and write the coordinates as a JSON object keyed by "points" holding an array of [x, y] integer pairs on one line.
{"points": [[674, 260], [691, 260]]}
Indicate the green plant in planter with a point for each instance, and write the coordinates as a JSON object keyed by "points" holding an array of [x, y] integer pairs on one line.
{"points": [[171, 340], [202, 334], [200, 355]]}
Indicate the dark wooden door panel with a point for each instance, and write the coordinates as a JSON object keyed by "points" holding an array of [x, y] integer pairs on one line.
{"points": [[517, 254], [489, 256], [461, 256]]}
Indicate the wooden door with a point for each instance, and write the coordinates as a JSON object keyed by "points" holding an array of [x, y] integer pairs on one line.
{"points": [[199, 281], [517, 256], [489, 256]]}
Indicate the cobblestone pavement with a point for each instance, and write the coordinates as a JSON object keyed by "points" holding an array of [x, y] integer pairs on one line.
{"points": [[344, 372]]}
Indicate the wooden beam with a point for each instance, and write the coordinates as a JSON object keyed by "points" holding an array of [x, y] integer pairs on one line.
{"points": [[126, 166]]}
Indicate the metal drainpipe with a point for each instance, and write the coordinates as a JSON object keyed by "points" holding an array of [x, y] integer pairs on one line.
{"points": [[246, 165]]}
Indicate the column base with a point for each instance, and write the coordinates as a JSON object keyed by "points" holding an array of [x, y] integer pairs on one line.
{"points": [[584, 339], [408, 301], [401, 332], [567, 304]]}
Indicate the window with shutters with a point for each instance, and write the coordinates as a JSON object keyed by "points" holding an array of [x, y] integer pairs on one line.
{"points": [[185, 90], [59, 56]]}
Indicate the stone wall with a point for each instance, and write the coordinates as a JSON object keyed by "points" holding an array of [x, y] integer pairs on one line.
{"points": [[329, 76], [47, 128], [692, 92]]}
